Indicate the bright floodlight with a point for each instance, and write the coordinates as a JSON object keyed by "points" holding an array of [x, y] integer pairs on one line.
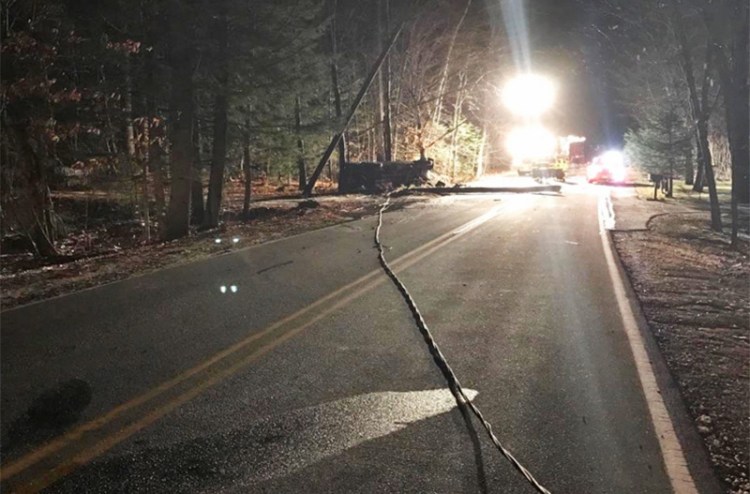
{"points": [[613, 158], [529, 95], [530, 143]]}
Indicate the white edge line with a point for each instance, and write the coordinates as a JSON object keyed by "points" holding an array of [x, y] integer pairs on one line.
{"points": [[674, 458], [606, 211]]}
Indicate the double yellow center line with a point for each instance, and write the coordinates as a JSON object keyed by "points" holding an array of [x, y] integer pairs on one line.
{"points": [[52, 461]]}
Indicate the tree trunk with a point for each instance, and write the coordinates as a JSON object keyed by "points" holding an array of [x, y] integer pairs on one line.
{"points": [[671, 161], [454, 137], [155, 127], [735, 214], [733, 74], [221, 103], [446, 66], [385, 81], [708, 171], [246, 168], [128, 110], [740, 160], [689, 172], [136, 154], [700, 179], [301, 168], [420, 135], [197, 206], [457, 111], [177, 223], [739, 130], [335, 85], [156, 165], [481, 151], [143, 159], [247, 171], [376, 135], [379, 113], [736, 91], [398, 106], [740, 149]]}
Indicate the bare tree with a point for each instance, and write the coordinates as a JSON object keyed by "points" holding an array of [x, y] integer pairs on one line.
{"points": [[446, 65], [699, 112]]}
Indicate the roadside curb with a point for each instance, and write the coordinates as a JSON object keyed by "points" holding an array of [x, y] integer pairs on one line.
{"points": [[696, 454]]}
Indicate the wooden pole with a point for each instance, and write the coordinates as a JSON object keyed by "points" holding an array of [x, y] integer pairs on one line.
{"points": [[355, 104]]}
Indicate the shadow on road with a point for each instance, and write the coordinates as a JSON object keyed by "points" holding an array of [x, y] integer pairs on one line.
{"points": [[476, 446], [48, 416]]}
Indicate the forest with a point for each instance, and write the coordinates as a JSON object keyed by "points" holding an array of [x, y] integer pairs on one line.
{"points": [[166, 103], [172, 109]]}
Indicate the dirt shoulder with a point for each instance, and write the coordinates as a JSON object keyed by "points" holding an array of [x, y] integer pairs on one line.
{"points": [[113, 257], [694, 293]]}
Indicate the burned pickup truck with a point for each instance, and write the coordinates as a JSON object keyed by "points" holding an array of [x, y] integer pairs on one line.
{"points": [[374, 177]]}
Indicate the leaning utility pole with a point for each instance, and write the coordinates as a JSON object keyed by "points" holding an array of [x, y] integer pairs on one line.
{"points": [[355, 104]]}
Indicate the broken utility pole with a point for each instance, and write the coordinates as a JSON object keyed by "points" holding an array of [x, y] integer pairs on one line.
{"points": [[355, 104]]}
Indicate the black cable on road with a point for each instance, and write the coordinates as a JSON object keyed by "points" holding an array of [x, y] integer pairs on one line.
{"points": [[453, 384]]}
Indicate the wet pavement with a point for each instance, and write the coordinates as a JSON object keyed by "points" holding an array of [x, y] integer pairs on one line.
{"points": [[311, 377]]}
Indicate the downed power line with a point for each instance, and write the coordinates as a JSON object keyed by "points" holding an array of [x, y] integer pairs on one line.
{"points": [[453, 384]]}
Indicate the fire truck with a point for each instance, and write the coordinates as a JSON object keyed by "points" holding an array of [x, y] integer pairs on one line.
{"points": [[553, 158]]}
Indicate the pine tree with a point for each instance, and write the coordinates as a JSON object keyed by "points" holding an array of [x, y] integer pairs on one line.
{"points": [[661, 144]]}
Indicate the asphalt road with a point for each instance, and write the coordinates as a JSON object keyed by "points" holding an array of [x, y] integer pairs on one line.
{"points": [[169, 384]]}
